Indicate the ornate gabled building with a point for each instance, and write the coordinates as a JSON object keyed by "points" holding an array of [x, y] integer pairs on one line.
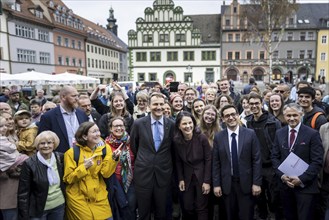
{"points": [[295, 56], [168, 45]]}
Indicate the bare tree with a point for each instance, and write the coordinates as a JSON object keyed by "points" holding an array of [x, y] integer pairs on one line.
{"points": [[263, 18]]}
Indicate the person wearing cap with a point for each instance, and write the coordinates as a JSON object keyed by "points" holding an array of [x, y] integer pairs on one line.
{"points": [[26, 132], [15, 102], [314, 116]]}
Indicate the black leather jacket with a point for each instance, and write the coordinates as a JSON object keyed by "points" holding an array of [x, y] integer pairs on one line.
{"points": [[33, 186]]}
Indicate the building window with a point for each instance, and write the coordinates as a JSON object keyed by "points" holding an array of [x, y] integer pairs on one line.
{"points": [[290, 36], [302, 36], [310, 35], [103, 64], [237, 37], [59, 40], [230, 37], [209, 55], [249, 55], [301, 54], [27, 56], [227, 22], [172, 56], [67, 61], [261, 55], [324, 39], [180, 38], [96, 63], [152, 76], [322, 72], [66, 42], [289, 54], [23, 31], [73, 44], [88, 62], [92, 63], [164, 38], [141, 56], [275, 36], [148, 38], [79, 45], [80, 62], [291, 21], [210, 75], [88, 48], [60, 60], [38, 14], [155, 56], [188, 77], [141, 77], [323, 56], [44, 58], [234, 10], [309, 54], [230, 55], [92, 49], [188, 55], [237, 55], [275, 54], [43, 35], [74, 63]]}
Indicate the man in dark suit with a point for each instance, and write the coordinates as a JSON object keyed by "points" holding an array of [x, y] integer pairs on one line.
{"points": [[65, 119], [85, 105], [152, 143], [236, 166], [298, 192]]}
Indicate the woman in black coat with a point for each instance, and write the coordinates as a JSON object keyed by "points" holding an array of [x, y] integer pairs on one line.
{"points": [[41, 189]]}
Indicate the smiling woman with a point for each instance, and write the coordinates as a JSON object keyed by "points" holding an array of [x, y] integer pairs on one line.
{"points": [[41, 189], [192, 147]]}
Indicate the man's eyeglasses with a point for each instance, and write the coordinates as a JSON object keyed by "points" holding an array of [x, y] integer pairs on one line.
{"points": [[230, 115]]}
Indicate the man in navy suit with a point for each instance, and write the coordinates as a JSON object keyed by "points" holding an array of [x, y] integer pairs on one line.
{"points": [[298, 192], [65, 119], [236, 166], [152, 143]]}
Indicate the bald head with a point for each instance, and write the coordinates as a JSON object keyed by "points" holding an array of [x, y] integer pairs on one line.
{"points": [[5, 107]]}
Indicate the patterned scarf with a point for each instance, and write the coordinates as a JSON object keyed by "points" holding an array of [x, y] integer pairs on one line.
{"points": [[125, 161]]}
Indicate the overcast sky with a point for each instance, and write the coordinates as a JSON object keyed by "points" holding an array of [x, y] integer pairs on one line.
{"points": [[127, 11]]}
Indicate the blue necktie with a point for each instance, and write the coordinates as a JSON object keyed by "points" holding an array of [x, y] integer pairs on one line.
{"points": [[235, 161], [156, 135]]}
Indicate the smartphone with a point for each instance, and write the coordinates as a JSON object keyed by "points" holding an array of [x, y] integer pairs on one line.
{"points": [[173, 86]]}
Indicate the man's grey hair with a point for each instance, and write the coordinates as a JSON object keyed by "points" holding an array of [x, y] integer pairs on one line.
{"points": [[293, 106]]}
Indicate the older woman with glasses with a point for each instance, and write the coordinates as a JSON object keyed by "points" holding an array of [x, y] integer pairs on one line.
{"points": [[141, 109], [41, 189], [120, 139], [86, 194]]}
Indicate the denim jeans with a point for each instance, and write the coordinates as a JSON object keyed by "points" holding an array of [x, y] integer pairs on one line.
{"points": [[52, 214], [9, 214]]}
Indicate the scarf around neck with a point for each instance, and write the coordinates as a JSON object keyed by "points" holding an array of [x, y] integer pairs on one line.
{"points": [[51, 172]]}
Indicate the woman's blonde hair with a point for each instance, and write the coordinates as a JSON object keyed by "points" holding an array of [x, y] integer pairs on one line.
{"points": [[46, 135]]}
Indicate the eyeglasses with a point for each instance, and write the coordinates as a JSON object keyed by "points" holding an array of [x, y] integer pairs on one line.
{"points": [[118, 126], [44, 143], [254, 103], [280, 91], [230, 115]]}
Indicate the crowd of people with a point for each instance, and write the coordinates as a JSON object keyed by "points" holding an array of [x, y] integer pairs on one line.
{"points": [[197, 153]]}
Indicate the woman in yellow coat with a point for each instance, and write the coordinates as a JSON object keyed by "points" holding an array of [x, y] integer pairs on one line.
{"points": [[86, 194]]}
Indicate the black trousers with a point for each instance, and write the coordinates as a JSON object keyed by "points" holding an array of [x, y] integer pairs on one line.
{"points": [[238, 204], [149, 197]]}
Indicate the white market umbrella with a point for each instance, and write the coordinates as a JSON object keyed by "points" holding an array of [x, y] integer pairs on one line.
{"points": [[71, 78], [30, 78]]}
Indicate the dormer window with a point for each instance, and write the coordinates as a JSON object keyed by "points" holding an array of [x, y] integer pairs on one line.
{"points": [[16, 7], [63, 9], [38, 14]]}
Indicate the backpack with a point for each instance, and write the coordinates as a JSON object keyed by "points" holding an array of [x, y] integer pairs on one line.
{"points": [[315, 116]]}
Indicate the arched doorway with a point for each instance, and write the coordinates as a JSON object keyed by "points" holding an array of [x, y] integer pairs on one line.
{"points": [[258, 74], [169, 76], [276, 74], [303, 73], [232, 74]]}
